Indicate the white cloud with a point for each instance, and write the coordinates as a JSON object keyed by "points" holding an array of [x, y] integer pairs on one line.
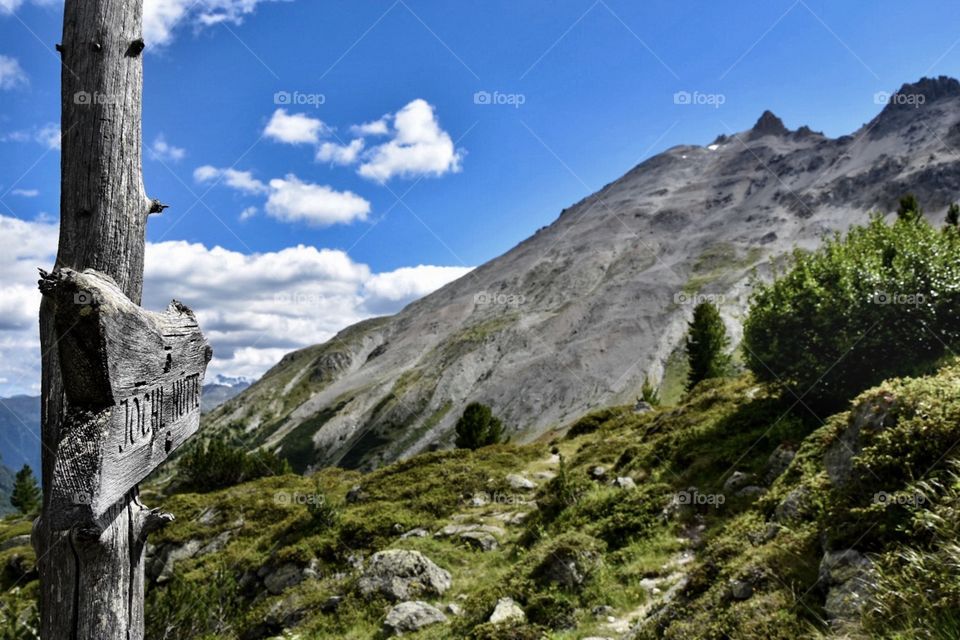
{"points": [[291, 200], [294, 201], [9, 6], [385, 292], [376, 128], [252, 308], [297, 128], [24, 246], [48, 135], [343, 154], [11, 73], [239, 180], [26, 193], [165, 152], [419, 147], [161, 18]]}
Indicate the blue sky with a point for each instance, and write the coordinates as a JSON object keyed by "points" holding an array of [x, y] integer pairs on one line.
{"points": [[580, 91]]}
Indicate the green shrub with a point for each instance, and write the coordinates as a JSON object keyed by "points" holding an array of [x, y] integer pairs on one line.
{"points": [[478, 427], [26, 496], [552, 609], [649, 393], [880, 303], [323, 512], [19, 618], [909, 209], [953, 215], [184, 609], [219, 464], [706, 346]]}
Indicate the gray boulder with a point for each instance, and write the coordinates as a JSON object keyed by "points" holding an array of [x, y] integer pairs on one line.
{"points": [[520, 483], [279, 579], [480, 540], [163, 559], [400, 575], [740, 589], [642, 407], [848, 577], [625, 483], [792, 507], [410, 617], [507, 611], [737, 480]]}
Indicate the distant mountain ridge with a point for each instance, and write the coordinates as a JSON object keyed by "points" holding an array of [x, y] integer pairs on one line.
{"points": [[576, 316]]}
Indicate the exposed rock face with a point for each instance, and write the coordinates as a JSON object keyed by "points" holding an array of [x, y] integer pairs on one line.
{"points": [[400, 575], [792, 507], [409, 617], [578, 315], [870, 416], [848, 577]]}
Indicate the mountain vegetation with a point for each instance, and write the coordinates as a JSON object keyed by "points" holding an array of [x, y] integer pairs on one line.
{"points": [[742, 511]]}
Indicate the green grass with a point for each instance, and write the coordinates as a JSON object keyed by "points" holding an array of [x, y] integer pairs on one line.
{"points": [[621, 536]]}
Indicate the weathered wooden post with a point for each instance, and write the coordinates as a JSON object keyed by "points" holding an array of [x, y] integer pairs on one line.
{"points": [[121, 386]]}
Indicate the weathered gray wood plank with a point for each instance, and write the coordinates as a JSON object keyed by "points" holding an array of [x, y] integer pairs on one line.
{"points": [[132, 380]]}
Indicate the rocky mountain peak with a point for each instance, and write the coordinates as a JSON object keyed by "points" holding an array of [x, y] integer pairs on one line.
{"points": [[768, 125], [932, 89]]}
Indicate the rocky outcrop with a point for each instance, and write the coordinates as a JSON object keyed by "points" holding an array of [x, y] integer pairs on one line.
{"points": [[400, 575], [870, 416], [848, 577]]}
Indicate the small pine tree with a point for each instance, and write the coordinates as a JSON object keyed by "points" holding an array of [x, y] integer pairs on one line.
{"points": [[707, 342], [26, 494], [649, 393], [909, 208], [953, 215], [478, 427]]}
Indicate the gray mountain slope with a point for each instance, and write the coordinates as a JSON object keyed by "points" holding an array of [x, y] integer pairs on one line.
{"points": [[576, 316]]}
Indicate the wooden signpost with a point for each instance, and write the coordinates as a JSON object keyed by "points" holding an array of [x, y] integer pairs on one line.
{"points": [[120, 385], [132, 381]]}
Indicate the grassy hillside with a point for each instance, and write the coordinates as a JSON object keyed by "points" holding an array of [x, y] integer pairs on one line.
{"points": [[742, 517]]}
